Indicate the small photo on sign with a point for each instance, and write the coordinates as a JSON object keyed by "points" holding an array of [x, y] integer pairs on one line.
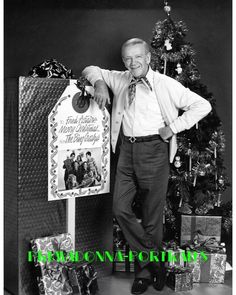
{"points": [[79, 168]]}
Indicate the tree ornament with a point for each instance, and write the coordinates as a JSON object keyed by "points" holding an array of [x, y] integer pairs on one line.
{"points": [[179, 69], [202, 172], [190, 156], [215, 155], [167, 8], [195, 180], [216, 177], [167, 44], [181, 198], [221, 180], [177, 162], [195, 75], [219, 198], [165, 65]]}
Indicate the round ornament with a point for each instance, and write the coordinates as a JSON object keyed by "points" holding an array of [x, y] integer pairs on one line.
{"points": [[167, 8], [178, 68], [177, 162], [221, 180], [167, 44]]}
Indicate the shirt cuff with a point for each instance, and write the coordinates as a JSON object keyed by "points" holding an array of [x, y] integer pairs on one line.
{"points": [[173, 129]]}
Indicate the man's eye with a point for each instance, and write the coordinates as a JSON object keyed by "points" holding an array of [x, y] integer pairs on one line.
{"points": [[127, 59]]}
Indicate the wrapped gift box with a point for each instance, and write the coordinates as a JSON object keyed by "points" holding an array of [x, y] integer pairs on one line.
{"points": [[210, 271], [174, 257], [123, 266], [207, 226], [179, 278], [50, 272], [62, 277], [120, 244], [173, 254]]}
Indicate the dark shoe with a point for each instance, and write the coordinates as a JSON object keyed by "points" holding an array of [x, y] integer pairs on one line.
{"points": [[159, 279], [140, 286], [158, 273]]}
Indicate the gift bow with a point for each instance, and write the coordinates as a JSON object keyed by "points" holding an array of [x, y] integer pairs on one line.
{"points": [[209, 245], [179, 269], [171, 245]]}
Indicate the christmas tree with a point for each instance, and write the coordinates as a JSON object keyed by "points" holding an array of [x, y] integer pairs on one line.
{"points": [[197, 175]]}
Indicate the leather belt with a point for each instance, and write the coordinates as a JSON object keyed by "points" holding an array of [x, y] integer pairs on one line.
{"points": [[133, 139]]}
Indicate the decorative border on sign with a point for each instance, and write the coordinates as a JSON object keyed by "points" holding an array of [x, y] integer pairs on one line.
{"points": [[54, 151]]}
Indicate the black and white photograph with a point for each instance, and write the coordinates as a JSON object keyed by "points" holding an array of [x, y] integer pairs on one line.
{"points": [[118, 147], [79, 169]]}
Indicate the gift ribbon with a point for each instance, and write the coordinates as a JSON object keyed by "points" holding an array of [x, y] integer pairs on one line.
{"points": [[193, 226], [179, 269], [209, 245], [205, 270], [127, 262]]}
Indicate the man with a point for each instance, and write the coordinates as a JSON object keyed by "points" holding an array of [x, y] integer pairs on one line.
{"points": [[69, 168], [92, 164], [146, 105]]}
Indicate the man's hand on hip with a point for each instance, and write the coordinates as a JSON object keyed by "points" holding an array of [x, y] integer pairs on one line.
{"points": [[101, 94], [165, 133]]}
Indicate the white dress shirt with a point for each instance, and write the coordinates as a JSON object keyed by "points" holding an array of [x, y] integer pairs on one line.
{"points": [[143, 117]]}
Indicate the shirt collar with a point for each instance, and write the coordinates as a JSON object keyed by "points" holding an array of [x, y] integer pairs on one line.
{"points": [[149, 76]]}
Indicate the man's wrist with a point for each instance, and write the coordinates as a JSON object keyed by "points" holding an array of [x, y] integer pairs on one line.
{"points": [[100, 83]]}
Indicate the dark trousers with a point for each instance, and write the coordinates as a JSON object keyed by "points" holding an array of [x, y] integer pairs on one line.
{"points": [[142, 166]]}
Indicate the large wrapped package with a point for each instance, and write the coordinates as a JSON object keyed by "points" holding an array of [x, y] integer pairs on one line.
{"points": [[207, 226], [28, 213]]}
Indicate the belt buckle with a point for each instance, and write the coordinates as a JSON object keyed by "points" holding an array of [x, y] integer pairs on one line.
{"points": [[132, 139]]}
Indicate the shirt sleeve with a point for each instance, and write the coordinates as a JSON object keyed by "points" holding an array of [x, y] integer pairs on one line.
{"points": [[195, 107], [113, 79]]}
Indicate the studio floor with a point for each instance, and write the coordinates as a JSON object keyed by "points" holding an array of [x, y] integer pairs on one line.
{"points": [[120, 284]]}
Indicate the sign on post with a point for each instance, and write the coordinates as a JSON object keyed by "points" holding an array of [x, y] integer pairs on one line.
{"points": [[78, 146]]}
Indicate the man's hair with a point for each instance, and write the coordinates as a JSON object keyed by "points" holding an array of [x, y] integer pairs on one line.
{"points": [[134, 41], [88, 153], [72, 154]]}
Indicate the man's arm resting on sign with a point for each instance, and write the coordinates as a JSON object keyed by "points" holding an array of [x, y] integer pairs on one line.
{"points": [[101, 94]]}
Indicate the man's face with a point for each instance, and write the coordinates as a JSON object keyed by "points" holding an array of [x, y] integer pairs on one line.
{"points": [[136, 59]]}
